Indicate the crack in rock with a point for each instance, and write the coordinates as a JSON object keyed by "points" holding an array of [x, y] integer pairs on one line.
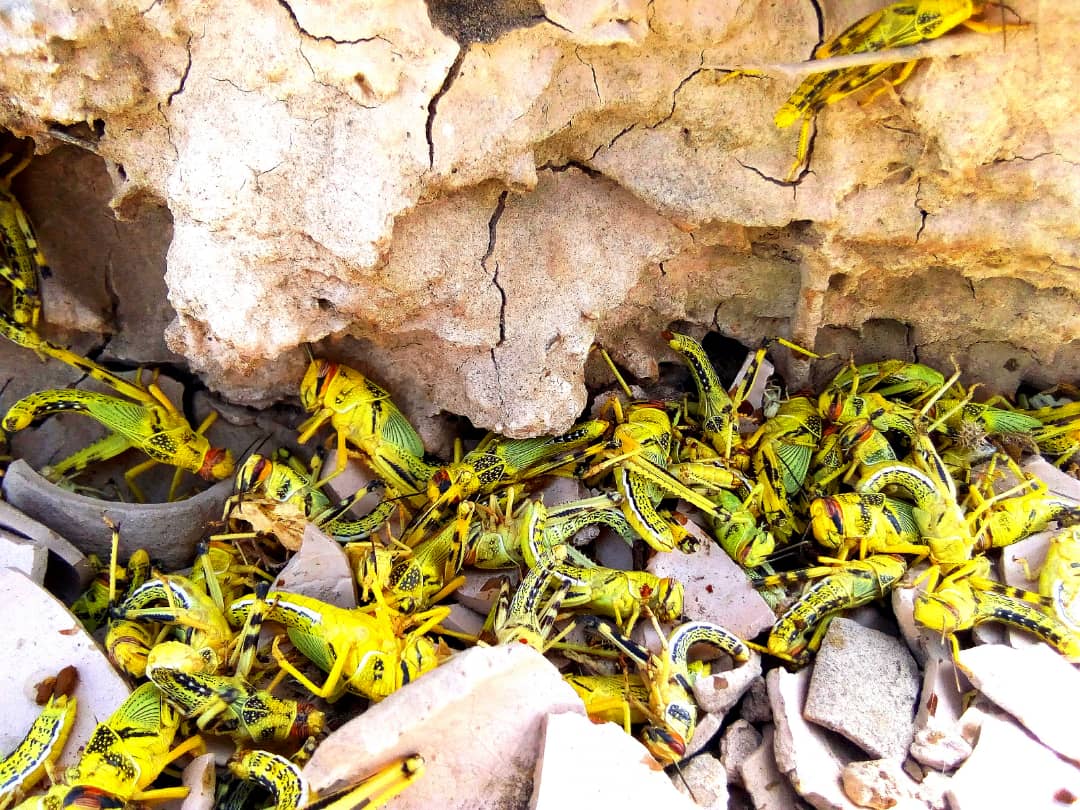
{"points": [[326, 37], [493, 225], [183, 79], [451, 76]]}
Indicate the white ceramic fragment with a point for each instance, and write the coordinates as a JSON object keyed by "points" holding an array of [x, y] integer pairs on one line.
{"points": [[769, 789], [169, 531], [811, 757], [477, 720], [42, 638], [1036, 685], [23, 555], [717, 589], [320, 570], [864, 686], [585, 764], [737, 743], [1009, 769], [704, 780]]}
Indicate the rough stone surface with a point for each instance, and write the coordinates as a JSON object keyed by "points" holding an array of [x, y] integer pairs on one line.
{"points": [[738, 742], [755, 706], [322, 175], [506, 691], [768, 788], [717, 589], [319, 569], [720, 691], [811, 757], [704, 780], [172, 530], [708, 723], [1020, 681], [939, 742], [45, 639], [200, 778], [864, 686], [1051, 782], [592, 765]]}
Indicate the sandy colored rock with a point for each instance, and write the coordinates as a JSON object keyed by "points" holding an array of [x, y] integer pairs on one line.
{"points": [[864, 686], [978, 785], [737, 743], [507, 691], [717, 589], [320, 570], [1007, 677], [45, 639], [169, 531], [720, 691], [881, 784], [200, 778], [595, 764], [704, 780], [811, 757]]}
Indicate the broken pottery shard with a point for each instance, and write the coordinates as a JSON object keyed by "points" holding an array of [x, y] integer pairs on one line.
{"points": [[349, 481], [23, 555], [720, 691], [1036, 778], [1036, 685], [42, 638], [704, 780], [737, 743], [477, 720], [74, 572], [880, 784], [199, 776], [169, 531], [811, 757], [864, 686], [320, 570], [717, 589], [768, 788], [586, 764]]}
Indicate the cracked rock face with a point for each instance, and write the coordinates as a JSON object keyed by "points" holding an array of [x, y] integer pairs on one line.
{"points": [[474, 194]]}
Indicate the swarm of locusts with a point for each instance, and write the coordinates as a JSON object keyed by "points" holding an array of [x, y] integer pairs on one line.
{"points": [[831, 497]]}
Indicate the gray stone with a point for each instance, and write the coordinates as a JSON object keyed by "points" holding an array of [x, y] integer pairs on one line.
{"points": [[755, 705], [41, 639], [865, 685], [320, 570], [1036, 685], [71, 572], [708, 723], [502, 694], [811, 757], [1010, 769], [704, 780], [768, 788], [23, 555], [169, 531], [737, 743]]}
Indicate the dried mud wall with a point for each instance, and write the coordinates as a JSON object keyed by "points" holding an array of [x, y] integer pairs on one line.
{"points": [[463, 197]]}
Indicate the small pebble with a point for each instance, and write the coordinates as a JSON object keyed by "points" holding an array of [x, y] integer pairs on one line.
{"points": [[768, 788], [880, 784], [738, 742], [704, 780]]}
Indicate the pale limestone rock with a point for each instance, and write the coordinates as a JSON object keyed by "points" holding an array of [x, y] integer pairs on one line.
{"points": [[169, 531], [23, 555], [768, 787], [704, 780], [43, 638], [881, 784], [939, 742], [592, 765], [1032, 552], [811, 757], [717, 589], [1006, 676], [304, 168], [320, 570], [1058, 482], [720, 691], [737, 743], [505, 691], [1044, 780], [708, 723]]}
